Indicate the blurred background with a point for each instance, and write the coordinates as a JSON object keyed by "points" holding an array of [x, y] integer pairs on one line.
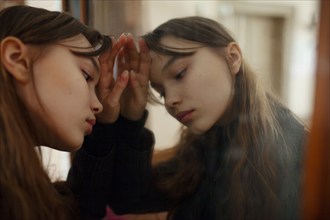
{"points": [[278, 39], [285, 41]]}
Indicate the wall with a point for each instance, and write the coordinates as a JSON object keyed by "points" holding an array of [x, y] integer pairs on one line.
{"points": [[53, 5]]}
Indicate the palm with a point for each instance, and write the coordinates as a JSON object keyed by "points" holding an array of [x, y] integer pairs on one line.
{"points": [[134, 98], [110, 90]]}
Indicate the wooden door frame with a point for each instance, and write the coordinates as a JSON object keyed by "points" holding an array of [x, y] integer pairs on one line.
{"points": [[316, 184], [83, 12]]}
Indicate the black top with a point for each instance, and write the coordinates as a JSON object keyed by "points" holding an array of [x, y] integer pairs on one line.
{"points": [[100, 159], [122, 179]]}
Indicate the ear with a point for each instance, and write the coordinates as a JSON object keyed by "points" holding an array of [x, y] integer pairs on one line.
{"points": [[233, 57], [14, 57]]}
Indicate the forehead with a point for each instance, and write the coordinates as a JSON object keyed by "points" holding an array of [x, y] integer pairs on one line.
{"points": [[178, 43], [79, 43], [174, 44], [157, 63]]}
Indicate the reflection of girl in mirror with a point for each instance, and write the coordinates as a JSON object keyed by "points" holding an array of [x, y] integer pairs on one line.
{"points": [[240, 152], [49, 72]]}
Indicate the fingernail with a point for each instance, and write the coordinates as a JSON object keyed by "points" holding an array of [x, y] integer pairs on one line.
{"points": [[124, 75], [132, 73]]}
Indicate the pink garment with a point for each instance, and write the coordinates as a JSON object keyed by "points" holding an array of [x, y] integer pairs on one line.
{"points": [[112, 216]]}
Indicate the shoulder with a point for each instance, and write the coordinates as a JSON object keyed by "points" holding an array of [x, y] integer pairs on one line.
{"points": [[290, 124]]}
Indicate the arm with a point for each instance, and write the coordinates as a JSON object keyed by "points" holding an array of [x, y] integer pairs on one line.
{"points": [[114, 166], [291, 169], [91, 171], [90, 175], [132, 188]]}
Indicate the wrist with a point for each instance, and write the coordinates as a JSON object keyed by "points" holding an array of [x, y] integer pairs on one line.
{"points": [[137, 116], [131, 130]]}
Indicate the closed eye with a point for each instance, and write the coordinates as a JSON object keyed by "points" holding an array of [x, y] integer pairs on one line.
{"points": [[180, 74], [162, 95], [158, 89], [86, 76]]}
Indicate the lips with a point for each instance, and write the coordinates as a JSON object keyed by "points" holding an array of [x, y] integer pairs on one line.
{"points": [[91, 123], [184, 116]]}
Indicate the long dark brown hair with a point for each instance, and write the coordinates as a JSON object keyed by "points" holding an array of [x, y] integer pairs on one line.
{"points": [[251, 132], [26, 191]]}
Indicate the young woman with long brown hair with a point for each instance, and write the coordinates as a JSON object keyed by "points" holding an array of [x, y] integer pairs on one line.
{"points": [[51, 68], [240, 152]]}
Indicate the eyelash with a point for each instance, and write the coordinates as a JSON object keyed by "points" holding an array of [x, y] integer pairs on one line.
{"points": [[180, 74], [86, 76], [161, 95]]}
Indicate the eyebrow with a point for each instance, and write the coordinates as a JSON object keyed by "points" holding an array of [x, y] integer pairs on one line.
{"points": [[175, 58], [96, 66], [170, 62]]}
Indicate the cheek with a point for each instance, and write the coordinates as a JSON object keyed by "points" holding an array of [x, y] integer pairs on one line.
{"points": [[170, 111], [59, 87], [215, 91], [64, 100]]}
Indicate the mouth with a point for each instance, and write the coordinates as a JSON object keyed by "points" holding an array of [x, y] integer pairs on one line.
{"points": [[90, 124], [91, 121], [185, 116]]}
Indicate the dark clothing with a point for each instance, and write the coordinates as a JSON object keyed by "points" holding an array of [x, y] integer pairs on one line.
{"points": [[123, 178], [91, 175]]}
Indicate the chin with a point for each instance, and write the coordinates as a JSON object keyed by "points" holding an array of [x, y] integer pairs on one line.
{"points": [[200, 129], [69, 147], [197, 131], [64, 143], [74, 147]]}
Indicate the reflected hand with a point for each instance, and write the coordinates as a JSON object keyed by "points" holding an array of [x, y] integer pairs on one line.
{"points": [[110, 90], [134, 99]]}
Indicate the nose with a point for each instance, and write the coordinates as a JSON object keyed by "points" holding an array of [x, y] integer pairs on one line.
{"points": [[172, 99], [96, 105]]}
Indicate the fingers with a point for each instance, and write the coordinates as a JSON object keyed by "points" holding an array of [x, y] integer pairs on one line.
{"points": [[120, 43], [136, 62], [117, 46], [104, 68], [133, 56], [133, 80], [130, 58], [107, 61], [121, 61], [110, 98], [118, 88], [145, 62], [106, 80]]}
